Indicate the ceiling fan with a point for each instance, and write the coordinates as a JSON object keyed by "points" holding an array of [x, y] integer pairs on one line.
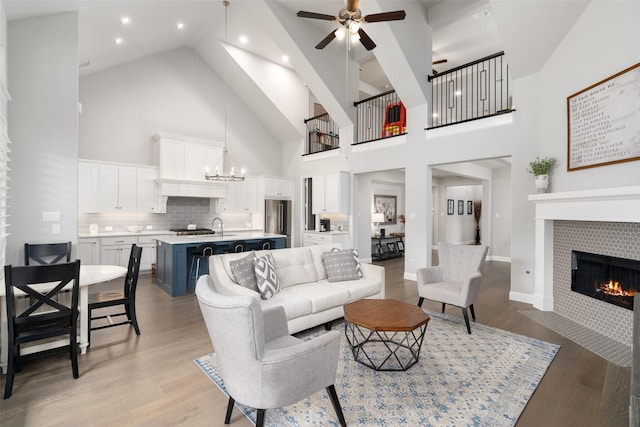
{"points": [[351, 20], [439, 61]]}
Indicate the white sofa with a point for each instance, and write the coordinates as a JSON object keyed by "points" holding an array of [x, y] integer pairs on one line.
{"points": [[308, 298]]}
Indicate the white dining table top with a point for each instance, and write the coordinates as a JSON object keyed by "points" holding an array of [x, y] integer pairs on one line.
{"points": [[89, 275]]}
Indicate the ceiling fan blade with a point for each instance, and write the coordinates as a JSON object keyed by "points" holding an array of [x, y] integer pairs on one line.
{"points": [[439, 61], [396, 15], [366, 40], [313, 15], [325, 41]]}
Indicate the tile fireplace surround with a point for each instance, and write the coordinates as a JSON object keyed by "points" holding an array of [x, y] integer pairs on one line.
{"points": [[601, 214]]}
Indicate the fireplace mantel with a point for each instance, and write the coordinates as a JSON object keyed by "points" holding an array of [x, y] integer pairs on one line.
{"points": [[620, 204]]}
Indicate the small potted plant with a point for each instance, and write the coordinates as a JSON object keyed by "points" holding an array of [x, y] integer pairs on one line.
{"points": [[540, 169]]}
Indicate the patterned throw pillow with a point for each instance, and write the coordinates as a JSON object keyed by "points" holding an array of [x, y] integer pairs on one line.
{"points": [[267, 280], [244, 272], [340, 265], [356, 258]]}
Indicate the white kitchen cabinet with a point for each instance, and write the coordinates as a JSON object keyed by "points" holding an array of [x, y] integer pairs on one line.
{"points": [[278, 188], [88, 251], [148, 245], [88, 186], [312, 238], [116, 250], [186, 158], [118, 187], [148, 196], [241, 197], [331, 193]]}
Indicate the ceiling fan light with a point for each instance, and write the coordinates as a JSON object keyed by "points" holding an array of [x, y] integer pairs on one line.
{"points": [[340, 32], [355, 37], [354, 27]]}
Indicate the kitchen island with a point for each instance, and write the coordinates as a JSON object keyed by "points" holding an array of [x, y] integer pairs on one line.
{"points": [[174, 254]]}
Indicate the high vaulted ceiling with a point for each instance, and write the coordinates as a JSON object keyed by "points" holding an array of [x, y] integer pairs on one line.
{"points": [[457, 35]]}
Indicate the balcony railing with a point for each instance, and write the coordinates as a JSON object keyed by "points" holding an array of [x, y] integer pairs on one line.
{"points": [[322, 134], [379, 117], [472, 91]]}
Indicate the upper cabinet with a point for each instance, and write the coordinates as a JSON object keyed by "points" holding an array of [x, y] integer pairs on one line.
{"points": [[330, 193], [278, 188], [118, 186], [113, 187], [241, 197], [185, 158]]}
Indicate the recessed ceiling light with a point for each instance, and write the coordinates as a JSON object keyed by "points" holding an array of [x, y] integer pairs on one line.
{"points": [[180, 25], [435, 114], [285, 58], [481, 14], [244, 39], [125, 20], [118, 41]]}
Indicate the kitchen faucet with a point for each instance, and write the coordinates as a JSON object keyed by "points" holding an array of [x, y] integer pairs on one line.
{"points": [[213, 225]]}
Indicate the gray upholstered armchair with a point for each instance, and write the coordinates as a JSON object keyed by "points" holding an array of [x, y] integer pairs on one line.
{"points": [[261, 364], [457, 278]]}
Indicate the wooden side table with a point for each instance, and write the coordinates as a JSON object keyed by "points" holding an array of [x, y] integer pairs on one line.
{"points": [[385, 335]]}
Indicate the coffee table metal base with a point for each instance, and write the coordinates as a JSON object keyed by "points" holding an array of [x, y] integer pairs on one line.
{"points": [[385, 350]]}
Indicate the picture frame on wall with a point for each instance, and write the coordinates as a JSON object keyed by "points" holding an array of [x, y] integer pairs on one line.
{"points": [[387, 205], [469, 207], [449, 206], [460, 207]]}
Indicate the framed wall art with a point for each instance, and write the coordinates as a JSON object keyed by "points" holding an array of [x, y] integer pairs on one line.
{"points": [[604, 122], [386, 205], [469, 207], [450, 206], [460, 207]]}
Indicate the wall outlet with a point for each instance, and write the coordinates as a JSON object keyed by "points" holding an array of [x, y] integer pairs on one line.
{"points": [[108, 228], [149, 227], [55, 228]]}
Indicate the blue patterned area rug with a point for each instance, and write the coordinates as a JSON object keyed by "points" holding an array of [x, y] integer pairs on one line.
{"points": [[482, 379]]}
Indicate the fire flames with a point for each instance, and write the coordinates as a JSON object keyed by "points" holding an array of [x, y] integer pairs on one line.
{"points": [[614, 289]]}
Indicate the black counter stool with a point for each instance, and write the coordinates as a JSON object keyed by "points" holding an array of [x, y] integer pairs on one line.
{"points": [[239, 246], [202, 252], [265, 244]]}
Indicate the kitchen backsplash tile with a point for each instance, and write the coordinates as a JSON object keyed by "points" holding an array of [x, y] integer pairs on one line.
{"points": [[180, 211]]}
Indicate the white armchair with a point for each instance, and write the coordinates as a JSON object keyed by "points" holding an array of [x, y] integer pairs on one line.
{"points": [[457, 278], [261, 364]]}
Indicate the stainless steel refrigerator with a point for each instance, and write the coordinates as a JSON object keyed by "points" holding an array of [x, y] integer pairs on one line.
{"points": [[277, 218]]}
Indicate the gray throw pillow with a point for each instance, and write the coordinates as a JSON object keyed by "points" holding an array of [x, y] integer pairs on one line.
{"points": [[356, 258], [266, 277], [340, 265], [244, 272]]}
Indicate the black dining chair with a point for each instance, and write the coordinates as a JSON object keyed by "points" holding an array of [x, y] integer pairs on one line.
{"points": [[126, 298], [47, 253], [44, 317]]}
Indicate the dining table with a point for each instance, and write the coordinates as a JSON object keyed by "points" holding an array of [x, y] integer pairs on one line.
{"points": [[89, 275]]}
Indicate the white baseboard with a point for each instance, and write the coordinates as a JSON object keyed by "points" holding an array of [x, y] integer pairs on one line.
{"points": [[498, 258], [411, 276], [520, 297]]}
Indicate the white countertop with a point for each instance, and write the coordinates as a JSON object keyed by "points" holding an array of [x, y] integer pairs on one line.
{"points": [[228, 237], [326, 232], [127, 233], [243, 231]]}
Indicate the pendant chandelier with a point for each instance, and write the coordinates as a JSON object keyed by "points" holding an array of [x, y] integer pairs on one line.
{"points": [[229, 172]]}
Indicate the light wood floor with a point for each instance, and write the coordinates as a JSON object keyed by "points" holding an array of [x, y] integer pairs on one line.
{"points": [[152, 380]]}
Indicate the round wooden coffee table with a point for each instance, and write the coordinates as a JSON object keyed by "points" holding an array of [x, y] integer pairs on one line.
{"points": [[385, 335]]}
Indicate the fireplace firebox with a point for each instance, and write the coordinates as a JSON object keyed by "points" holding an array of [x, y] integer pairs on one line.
{"points": [[607, 278]]}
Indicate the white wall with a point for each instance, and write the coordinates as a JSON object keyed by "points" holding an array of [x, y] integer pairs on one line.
{"points": [[501, 217], [459, 228], [43, 125], [603, 41], [174, 92]]}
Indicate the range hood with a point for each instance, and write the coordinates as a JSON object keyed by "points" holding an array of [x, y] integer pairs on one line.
{"points": [[182, 188]]}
